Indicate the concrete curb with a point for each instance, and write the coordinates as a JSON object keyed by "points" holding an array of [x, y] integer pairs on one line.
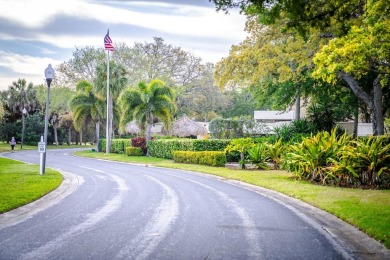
{"points": [[68, 185], [354, 241]]}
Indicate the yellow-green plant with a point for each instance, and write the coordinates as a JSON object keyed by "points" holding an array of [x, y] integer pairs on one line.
{"points": [[275, 151], [365, 162], [241, 145], [311, 158], [258, 156]]}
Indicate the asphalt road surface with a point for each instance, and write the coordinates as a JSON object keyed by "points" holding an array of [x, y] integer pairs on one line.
{"points": [[122, 211]]}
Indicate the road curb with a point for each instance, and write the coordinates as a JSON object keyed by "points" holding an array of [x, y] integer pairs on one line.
{"points": [[354, 241], [68, 186]]}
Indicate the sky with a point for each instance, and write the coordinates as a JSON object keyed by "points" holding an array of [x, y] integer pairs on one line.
{"points": [[35, 33]]}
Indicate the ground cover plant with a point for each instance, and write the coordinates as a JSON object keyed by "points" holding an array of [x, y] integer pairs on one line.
{"points": [[21, 183]]}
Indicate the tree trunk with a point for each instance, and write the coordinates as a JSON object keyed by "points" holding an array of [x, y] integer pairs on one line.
{"points": [[97, 127], [298, 104], [81, 136], [356, 122], [69, 135], [55, 134], [373, 103], [378, 122], [148, 137]]}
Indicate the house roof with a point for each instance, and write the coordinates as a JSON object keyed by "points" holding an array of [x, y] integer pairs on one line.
{"points": [[274, 115]]}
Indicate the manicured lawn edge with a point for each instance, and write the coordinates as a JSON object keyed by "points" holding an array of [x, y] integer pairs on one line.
{"points": [[368, 210], [21, 183]]}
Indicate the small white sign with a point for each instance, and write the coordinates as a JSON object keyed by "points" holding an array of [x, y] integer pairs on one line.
{"points": [[41, 147]]}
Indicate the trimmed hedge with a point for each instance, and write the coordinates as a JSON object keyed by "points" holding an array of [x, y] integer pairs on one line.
{"points": [[133, 151], [210, 158], [117, 145], [163, 148]]}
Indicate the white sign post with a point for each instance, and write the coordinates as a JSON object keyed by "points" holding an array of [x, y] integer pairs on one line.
{"points": [[41, 150]]}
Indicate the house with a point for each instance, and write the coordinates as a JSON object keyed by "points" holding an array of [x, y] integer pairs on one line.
{"points": [[273, 119]]}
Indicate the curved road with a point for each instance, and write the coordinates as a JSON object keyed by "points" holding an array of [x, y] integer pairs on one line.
{"points": [[122, 211]]}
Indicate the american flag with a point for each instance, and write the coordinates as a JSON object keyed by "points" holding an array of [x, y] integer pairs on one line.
{"points": [[108, 42]]}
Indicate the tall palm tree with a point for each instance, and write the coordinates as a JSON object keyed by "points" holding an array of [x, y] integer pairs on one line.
{"points": [[117, 82], [21, 95], [87, 106], [147, 103]]}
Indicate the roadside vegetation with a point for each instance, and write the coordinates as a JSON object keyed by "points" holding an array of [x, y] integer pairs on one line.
{"points": [[21, 183]]}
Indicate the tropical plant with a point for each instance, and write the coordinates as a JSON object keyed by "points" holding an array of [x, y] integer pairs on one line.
{"points": [[241, 145], [20, 96], [117, 83], [146, 103], [257, 155], [87, 105], [275, 152], [363, 163], [311, 158]]}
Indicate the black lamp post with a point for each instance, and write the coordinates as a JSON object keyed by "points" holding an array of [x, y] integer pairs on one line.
{"points": [[49, 74], [24, 112]]}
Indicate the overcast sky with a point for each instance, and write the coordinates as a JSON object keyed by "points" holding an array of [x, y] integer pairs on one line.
{"points": [[34, 33]]}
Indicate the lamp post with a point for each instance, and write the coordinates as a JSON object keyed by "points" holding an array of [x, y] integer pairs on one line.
{"points": [[49, 74], [24, 112]]}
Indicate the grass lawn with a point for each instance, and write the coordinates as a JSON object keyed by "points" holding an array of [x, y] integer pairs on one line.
{"points": [[21, 183], [5, 147], [369, 210]]}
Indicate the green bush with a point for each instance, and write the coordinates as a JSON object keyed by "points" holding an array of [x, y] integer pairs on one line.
{"points": [[311, 158], [117, 145], [210, 158], [258, 156], [163, 148], [133, 151]]}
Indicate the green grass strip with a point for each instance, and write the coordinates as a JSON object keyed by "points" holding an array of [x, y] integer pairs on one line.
{"points": [[368, 210], [21, 183]]}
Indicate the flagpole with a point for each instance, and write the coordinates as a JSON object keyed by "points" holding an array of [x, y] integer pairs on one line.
{"points": [[108, 137]]}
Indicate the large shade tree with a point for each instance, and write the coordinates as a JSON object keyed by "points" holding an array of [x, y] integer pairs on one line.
{"points": [[359, 45], [146, 103], [117, 82]]}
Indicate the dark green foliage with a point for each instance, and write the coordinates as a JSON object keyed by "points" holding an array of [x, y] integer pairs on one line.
{"points": [[221, 128], [140, 142], [295, 131], [117, 145], [163, 148], [211, 158], [134, 151]]}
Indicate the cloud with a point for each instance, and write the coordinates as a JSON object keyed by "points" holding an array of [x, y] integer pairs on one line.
{"points": [[52, 31]]}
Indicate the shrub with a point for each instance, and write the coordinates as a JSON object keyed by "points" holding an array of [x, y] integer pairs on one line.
{"points": [[258, 156], [139, 142], [164, 148], [134, 151], [311, 158], [275, 152], [364, 163], [117, 145], [211, 158], [241, 145]]}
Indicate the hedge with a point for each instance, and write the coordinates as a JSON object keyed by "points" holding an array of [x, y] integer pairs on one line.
{"points": [[163, 148], [210, 158], [117, 145], [133, 151]]}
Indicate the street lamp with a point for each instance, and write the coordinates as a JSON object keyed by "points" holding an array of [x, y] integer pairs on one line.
{"points": [[49, 74], [24, 112]]}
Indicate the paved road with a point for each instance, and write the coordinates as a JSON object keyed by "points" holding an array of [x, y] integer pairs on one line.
{"points": [[122, 211]]}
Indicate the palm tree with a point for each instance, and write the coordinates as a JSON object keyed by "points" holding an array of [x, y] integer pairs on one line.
{"points": [[87, 106], [147, 103], [118, 81], [21, 95]]}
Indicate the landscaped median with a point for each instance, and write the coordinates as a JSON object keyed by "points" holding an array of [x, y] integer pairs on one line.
{"points": [[21, 183], [369, 210]]}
